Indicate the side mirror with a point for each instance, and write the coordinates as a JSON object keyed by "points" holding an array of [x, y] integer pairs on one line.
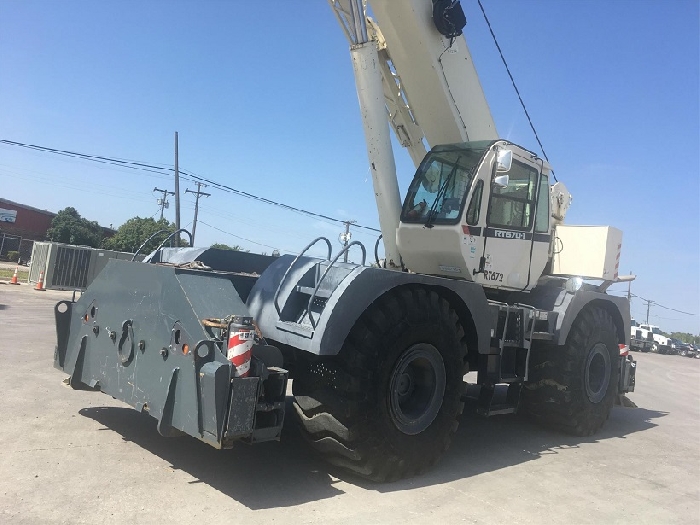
{"points": [[501, 181], [504, 159]]}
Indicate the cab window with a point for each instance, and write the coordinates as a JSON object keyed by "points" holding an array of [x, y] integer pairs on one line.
{"points": [[542, 216], [475, 204], [441, 183], [513, 206]]}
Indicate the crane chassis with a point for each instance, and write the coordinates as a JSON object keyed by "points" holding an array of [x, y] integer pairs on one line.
{"points": [[480, 275]]}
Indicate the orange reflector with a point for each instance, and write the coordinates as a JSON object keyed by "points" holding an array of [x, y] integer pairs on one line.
{"points": [[185, 349]]}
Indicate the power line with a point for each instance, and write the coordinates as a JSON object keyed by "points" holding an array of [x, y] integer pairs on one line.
{"points": [[92, 189], [345, 237], [517, 91], [649, 302], [239, 237], [134, 165], [198, 194], [229, 189], [99, 159], [661, 305], [164, 200]]}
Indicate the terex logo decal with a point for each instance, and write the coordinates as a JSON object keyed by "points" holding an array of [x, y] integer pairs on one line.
{"points": [[505, 234]]}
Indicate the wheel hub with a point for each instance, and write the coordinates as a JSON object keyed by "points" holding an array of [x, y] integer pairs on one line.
{"points": [[597, 374], [404, 385], [416, 388]]}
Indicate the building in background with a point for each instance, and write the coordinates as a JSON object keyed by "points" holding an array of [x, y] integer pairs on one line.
{"points": [[21, 225]]}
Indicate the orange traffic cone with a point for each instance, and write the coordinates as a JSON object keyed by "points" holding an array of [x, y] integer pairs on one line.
{"points": [[40, 285], [14, 277]]}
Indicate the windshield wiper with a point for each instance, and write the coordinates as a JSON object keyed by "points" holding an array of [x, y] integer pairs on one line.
{"points": [[440, 193]]}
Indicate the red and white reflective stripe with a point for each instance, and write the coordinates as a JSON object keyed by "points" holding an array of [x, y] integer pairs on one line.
{"points": [[240, 346], [624, 350]]}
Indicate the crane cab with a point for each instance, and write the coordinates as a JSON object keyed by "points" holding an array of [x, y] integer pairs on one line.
{"points": [[478, 211]]}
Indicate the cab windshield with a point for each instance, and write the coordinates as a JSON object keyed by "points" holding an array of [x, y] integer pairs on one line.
{"points": [[442, 181]]}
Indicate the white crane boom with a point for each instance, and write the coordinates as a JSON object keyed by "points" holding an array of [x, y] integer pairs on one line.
{"points": [[432, 91], [427, 83], [370, 94], [438, 80]]}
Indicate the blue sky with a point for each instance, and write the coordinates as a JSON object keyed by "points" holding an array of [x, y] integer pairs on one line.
{"points": [[264, 101]]}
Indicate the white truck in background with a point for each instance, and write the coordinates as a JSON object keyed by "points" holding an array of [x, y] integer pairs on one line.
{"points": [[640, 340], [660, 343]]}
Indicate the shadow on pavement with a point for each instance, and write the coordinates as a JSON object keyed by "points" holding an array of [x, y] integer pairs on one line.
{"points": [[261, 476], [288, 473], [489, 444]]}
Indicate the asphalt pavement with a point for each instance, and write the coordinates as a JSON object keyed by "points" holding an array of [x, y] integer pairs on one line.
{"points": [[82, 457]]}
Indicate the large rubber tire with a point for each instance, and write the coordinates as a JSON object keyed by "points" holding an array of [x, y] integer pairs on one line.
{"points": [[388, 405], [573, 388]]}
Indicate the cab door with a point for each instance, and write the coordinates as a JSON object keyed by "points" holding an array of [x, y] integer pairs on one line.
{"points": [[508, 237]]}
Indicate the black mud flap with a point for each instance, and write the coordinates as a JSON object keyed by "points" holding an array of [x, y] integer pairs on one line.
{"points": [[628, 370]]}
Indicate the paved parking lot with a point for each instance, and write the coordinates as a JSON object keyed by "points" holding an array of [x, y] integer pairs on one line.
{"points": [[81, 457]]}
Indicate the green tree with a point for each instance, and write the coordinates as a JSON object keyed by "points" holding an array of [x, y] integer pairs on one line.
{"points": [[134, 232], [220, 246], [686, 337], [70, 228]]}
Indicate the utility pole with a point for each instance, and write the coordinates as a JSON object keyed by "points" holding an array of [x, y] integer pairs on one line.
{"points": [[650, 302], [345, 237], [648, 307], [177, 196], [164, 200], [198, 193]]}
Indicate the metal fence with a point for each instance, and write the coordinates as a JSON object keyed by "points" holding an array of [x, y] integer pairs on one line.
{"points": [[9, 243], [14, 243], [68, 267]]}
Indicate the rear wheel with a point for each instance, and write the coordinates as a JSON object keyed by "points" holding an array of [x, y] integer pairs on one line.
{"points": [[573, 387], [387, 406]]}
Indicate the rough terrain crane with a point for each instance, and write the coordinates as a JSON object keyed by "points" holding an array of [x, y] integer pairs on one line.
{"points": [[479, 274]]}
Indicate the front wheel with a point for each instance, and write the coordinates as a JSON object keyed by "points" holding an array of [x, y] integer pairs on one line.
{"points": [[387, 406], [573, 387]]}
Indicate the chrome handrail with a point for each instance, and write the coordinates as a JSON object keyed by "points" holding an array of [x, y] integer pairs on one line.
{"points": [[318, 284], [284, 277]]}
